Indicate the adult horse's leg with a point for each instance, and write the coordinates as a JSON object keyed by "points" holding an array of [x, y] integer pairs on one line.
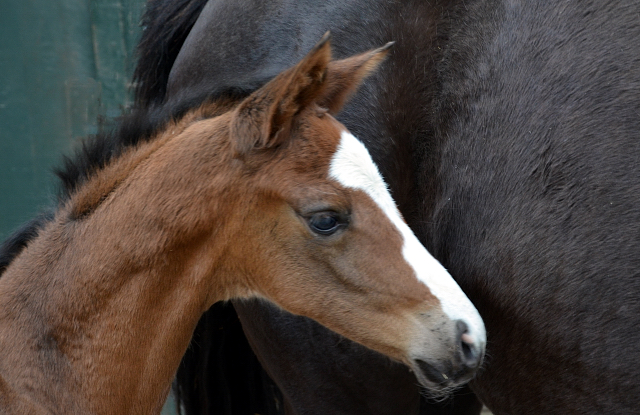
{"points": [[461, 402]]}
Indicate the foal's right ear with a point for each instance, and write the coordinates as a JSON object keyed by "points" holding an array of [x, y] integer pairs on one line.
{"points": [[345, 75], [263, 119]]}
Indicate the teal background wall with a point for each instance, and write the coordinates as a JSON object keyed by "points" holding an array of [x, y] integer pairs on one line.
{"points": [[63, 63]]}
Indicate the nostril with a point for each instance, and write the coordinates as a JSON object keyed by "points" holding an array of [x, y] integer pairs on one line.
{"points": [[468, 352], [461, 328], [470, 355], [466, 338]]}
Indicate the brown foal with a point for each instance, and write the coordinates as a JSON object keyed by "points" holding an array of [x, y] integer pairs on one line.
{"points": [[269, 197]]}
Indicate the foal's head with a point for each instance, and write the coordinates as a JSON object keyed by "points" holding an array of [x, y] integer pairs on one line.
{"points": [[317, 232]]}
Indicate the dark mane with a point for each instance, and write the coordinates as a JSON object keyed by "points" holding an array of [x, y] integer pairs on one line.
{"points": [[96, 151], [19, 239], [165, 27]]}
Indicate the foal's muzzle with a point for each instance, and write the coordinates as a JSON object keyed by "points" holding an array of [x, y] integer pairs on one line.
{"points": [[443, 373]]}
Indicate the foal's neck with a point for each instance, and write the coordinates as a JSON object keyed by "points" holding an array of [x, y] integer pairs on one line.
{"points": [[96, 313]]}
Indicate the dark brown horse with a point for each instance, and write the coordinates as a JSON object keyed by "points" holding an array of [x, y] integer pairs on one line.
{"points": [[266, 197], [509, 133]]}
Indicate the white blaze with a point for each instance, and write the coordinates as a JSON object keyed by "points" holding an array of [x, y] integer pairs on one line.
{"points": [[353, 167]]}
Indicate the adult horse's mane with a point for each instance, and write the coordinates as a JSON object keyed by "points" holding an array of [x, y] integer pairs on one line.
{"points": [[165, 28]]}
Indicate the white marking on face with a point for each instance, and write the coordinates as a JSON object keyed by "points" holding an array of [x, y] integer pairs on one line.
{"points": [[353, 167]]}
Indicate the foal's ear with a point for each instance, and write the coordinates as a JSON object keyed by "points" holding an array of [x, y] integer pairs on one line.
{"points": [[344, 76], [263, 119]]}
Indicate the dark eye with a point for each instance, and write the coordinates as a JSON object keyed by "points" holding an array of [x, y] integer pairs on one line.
{"points": [[325, 223]]}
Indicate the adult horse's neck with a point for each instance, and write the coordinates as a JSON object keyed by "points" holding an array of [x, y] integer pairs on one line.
{"points": [[96, 313]]}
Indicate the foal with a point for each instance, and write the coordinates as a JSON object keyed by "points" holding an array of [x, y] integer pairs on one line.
{"points": [[270, 197]]}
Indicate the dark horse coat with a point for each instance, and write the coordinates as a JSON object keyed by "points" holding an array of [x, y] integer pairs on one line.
{"points": [[509, 132]]}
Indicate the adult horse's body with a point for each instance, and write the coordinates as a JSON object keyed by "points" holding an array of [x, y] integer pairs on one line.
{"points": [[268, 197], [509, 132]]}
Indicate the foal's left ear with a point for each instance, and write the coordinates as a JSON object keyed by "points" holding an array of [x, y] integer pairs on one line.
{"points": [[263, 119]]}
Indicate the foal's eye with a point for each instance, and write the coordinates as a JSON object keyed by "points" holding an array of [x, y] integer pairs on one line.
{"points": [[325, 223]]}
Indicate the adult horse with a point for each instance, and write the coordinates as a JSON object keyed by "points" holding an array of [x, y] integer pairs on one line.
{"points": [[509, 134], [267, 196]]}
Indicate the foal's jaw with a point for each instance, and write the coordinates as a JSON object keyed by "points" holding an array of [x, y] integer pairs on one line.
{"points": [[436, 368]]}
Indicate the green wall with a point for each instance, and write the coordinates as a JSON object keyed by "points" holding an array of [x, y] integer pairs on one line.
{"points": [[63, 63]]}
